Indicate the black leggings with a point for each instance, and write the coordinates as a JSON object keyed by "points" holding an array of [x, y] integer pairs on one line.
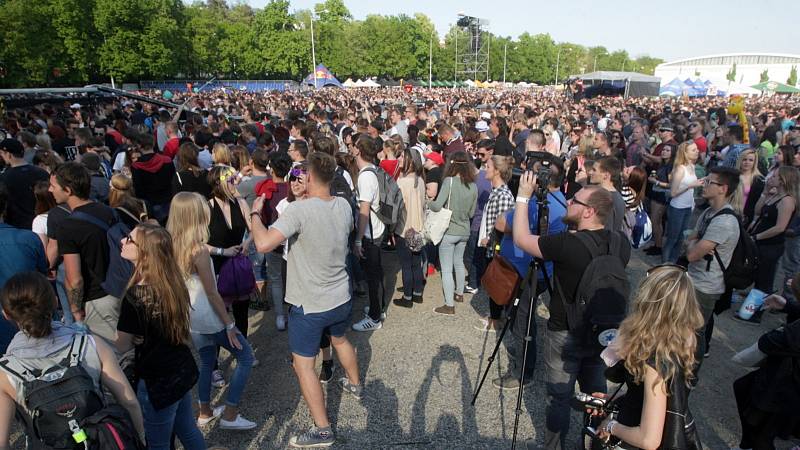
{"points": [[241, 312]]}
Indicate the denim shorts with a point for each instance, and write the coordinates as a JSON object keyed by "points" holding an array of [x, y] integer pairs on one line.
{"points": [[305, 330]]}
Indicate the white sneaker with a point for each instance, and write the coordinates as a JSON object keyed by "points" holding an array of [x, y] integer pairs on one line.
{"points": [[215, 413], [366, 311], [217, 380], [240, 423], [367, 324], [471, 290]]}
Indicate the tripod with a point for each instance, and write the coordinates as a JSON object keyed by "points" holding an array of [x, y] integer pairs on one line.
{"points": [[542, 227]]}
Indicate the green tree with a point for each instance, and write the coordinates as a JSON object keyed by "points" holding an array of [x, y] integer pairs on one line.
{"points": [[731, 76], [764, 77], [792, 80], [30, 55], [72, 22]]}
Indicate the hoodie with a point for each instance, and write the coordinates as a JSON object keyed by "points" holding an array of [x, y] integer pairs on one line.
{"points": [[152, 178]]}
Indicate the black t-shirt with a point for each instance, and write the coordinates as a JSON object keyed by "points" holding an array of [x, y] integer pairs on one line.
{"points": [[434, 176], [90, 242], [55, 217], [21, 202], [570, 258], [155, 356], [188, 181]]}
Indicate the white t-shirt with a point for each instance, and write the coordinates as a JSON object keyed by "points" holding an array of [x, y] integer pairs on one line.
{"points": [[280, 208], [119, 162], [368, 191], [40, 224]]}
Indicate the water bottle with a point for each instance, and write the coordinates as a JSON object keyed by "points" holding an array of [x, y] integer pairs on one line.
{"points": [[751, 304]]}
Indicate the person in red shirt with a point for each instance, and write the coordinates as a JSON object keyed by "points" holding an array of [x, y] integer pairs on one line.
{"points": [[389, 157], [173, 140], [696, 128]]}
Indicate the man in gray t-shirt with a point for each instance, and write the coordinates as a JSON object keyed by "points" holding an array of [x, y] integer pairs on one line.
{"points": [[318, 285], [716, 232]]}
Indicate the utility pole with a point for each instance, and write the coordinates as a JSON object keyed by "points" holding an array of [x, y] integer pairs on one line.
{"points": [[313, 51], [430, 61], [505, 54]]}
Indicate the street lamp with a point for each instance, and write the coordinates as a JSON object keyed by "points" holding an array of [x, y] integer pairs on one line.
{"points": [[505, 53], [313, 50], [595, 60], [558, 60], [430, 60]]}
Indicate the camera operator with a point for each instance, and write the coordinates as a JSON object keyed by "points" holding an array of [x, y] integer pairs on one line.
{"points": [[568, 357], [655, 355], [557, 205]]}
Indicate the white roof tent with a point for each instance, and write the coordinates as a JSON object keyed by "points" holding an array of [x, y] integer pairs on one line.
{"points": [[629, 84], [728, 59]]}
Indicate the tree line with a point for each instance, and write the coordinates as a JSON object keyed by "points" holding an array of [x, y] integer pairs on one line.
{"points": [[67, 42]]}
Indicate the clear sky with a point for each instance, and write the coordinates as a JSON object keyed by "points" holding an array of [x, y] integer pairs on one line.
{"points": [[669, 30]]}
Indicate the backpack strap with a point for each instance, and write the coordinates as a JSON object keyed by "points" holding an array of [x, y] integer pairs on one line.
{"points": [[129, 214], [13, 367], [722, 212], [77, 349]]}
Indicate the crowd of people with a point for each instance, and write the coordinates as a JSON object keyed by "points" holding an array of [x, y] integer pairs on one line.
{"points": [[290, 201]]}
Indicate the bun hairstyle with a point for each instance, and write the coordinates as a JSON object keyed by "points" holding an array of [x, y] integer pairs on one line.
{"points": [[29, 301]]}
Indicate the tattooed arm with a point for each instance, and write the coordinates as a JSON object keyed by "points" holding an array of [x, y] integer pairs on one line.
{"points": [[73, 282]]}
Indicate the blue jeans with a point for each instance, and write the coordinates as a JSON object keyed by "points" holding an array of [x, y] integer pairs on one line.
{"points": [[411, 264], [567, 361], [177, 417], [207, 345], [451, 256], [677, 223], [790, 265], [276, 268]]}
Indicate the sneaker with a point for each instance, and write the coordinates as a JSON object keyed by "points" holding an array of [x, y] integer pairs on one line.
{"points": [[483, 326], [404, 302], [367, 324], [458, 298], [352, 389], [217, 380], [313, 438], [326, 373], [215, 413], [653, 251], [416, 298], [707, 354], [255, 362], [280, 322], [366, 311], [445, 310], [509, 382], [471, 290], [239, 423]]}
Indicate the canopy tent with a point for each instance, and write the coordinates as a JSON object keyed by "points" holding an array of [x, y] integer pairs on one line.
{"points": [[348, 83], [774, 86], [627, 84], [323, 78], [674, 88], [735, 88], [370, 83]]}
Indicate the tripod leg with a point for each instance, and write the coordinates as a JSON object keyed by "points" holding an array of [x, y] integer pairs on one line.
{"points": [[499, 342], [526, 348]]}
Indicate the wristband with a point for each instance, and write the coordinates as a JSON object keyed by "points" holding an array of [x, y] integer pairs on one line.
{"points": [[358, 242], [521, 199], [230, 326], [220, 251], [610, 426]]}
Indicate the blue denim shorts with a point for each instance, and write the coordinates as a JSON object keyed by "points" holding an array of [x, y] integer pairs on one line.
{"points": [[305, 330]]}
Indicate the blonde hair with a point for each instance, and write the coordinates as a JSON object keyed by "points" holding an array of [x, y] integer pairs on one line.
{"points": [[585, 146], [680, 155], [503, 165], [221, 154], [737, 201], [789, 178], [222, 180], [189, 216], [661, 326], [121, 186], [168, 302]]}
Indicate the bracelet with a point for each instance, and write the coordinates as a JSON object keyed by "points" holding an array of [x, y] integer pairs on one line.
{"points": [[220, 251], [358, 242], [255, 213], [610, 426], [230, 326], [521, 199]]}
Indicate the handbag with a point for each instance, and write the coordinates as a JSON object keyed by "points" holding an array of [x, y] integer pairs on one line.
{"points": [[436, 222], [236, 280], [500, 281]]}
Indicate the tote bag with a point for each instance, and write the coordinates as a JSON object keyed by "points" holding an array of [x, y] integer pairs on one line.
{"points": [[436, 222]]}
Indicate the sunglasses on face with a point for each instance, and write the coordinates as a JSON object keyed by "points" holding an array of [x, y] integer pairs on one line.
{"points": [[295, 174], [576, 201]]}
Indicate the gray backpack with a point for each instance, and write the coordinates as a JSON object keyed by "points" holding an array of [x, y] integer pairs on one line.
{"points": [[390, 198]]}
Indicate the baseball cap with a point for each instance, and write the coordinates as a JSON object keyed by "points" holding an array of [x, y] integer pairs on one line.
{"points": [[665, 126], [486, 115], [481, 126], [12, 146], [436, 158]]}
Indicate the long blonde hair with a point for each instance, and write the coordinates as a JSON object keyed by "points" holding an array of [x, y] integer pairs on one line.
{"points": [[680, 156], [737, 201], [189, 216], [168, 303], [221, 154], [661, 326]]}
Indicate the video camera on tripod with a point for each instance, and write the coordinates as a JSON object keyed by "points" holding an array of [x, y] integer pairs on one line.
{"points": [[543, 172]]}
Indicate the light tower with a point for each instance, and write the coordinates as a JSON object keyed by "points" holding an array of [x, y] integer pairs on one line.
{"points": [[472, 48]]}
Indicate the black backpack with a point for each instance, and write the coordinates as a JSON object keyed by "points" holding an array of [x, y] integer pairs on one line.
{"points": [[601, 301], [741, 270], [65, 409], [119, 270]]}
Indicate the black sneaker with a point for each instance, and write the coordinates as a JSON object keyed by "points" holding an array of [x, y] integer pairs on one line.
{"points": [[313, 438], [416, 298], [326, 373], [404, 302]]}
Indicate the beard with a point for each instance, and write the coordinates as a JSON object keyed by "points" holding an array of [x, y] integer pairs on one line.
{"points": [[571, 220]]}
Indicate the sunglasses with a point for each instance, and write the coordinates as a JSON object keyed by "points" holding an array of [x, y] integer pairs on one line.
{"points": [[295, 174], [575, 200], [708, 181], [661, 266]]}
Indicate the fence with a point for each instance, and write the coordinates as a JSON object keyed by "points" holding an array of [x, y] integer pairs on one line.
{"points": [[236, 85]]}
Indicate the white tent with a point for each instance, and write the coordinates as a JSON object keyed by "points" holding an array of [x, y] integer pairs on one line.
{"points": [[371, 83], [741, 89], [359, 83], [349, 83]]}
